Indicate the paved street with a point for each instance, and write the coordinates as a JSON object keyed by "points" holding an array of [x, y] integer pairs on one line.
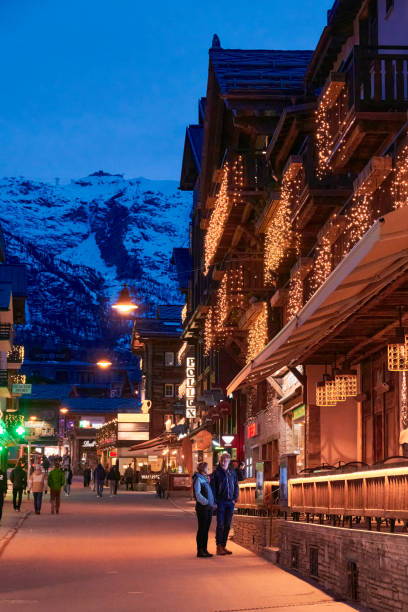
{"points": [[136, 552]]}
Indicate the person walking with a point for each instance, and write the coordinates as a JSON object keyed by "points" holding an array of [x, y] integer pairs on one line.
{"points": [[56, 480], [224, 485], [240, 471], [129, 478], [204, 507], [36, 484], [99, 478], [113, 478], [68, 480], [3, 489], [18, 477], [87, 476], [46, 466]]}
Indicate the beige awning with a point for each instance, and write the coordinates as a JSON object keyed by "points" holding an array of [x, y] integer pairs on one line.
{"points": [[379, 257]]}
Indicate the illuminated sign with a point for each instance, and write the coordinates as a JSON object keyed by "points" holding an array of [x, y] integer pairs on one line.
{"points": [[113, 453], [191, 411], [89, 443], [228, 440], [252, 430]]}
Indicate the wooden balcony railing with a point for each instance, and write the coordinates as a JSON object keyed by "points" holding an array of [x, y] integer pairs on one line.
{"points": [[15, 379], [379, 493], [3, 378], [376, 80], [256, 175], [247, 503], [6, 330]]}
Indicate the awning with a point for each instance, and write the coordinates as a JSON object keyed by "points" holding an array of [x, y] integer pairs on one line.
{"points": [[376, 260], [153, 446]]}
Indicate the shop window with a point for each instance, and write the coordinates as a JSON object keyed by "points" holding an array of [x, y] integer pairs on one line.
{"points": [[169, 359], [249, 467], [168, 390], [314, 561]]}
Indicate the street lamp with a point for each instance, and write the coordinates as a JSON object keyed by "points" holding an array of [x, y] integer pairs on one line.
{"points": [[124, 303], [104, 363]]}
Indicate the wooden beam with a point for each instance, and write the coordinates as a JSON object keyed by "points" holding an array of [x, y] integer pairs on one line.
{"points": [[300, 377]]}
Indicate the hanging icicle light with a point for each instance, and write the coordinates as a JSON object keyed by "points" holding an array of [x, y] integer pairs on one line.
{"points": [[397, 351]]}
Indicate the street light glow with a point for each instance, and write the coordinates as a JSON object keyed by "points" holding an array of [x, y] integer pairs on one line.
{"points": [[124, 303], [64, 410], [104, 363]]}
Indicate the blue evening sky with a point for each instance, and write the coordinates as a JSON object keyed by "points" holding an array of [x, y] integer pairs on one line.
{"points": [[111, 84]]}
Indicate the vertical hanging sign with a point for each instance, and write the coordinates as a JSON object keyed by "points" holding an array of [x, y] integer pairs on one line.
{"points": [[191, 411]]}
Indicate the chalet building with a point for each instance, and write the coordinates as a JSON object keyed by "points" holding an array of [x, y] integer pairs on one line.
{"points": [[13, 294], [157, 341], [227, 314], [298, 304]]}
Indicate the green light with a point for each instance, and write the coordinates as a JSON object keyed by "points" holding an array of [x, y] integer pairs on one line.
{"points": [[1, 448], [1, 430], [20, 430]]}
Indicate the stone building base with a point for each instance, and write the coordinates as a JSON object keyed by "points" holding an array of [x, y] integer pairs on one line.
{"points": [[255, 533], [364, 566]]}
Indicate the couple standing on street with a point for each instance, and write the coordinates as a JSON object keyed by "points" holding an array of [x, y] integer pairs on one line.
{"points": [[220, 493], [38, 481]]}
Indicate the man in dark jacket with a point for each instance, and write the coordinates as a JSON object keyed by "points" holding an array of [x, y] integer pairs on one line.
{"points": [[18, 477], [99, 478], [224, 485], [3, 489]]}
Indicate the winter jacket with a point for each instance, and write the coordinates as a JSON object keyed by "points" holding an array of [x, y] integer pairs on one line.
{"points": [[36, 482], [202, 491], [224, 485], [56, 479], [3, 482], [114, 474], [129, 474], [99, 473], [18, 477]]}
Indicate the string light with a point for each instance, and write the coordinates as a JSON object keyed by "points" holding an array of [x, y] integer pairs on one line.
{"points": [[184, 313], [328, 129], [295, 298], [323, 263], [228, 196], [399, 186], [281, 236], [258, 334]]}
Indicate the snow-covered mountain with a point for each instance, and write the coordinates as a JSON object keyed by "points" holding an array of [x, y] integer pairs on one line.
{"points": [[82, 240]]}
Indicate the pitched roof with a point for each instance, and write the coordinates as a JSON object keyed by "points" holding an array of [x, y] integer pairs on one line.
{"points": [[5, 296], [261, 71], [15, 274], [102, 404], [169, 312], [146, 328]]}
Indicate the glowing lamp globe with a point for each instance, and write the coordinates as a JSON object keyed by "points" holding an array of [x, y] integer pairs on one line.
{"points": [[104, 363], [124, 303]]}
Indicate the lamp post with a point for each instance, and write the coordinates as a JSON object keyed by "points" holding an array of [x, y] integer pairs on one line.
{"points": [[63, 411]]}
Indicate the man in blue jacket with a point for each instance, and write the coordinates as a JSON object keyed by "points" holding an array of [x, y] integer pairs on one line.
{"points": [[224, 485]]}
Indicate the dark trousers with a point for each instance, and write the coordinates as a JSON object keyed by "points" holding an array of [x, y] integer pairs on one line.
{"points": [[1, 504], [129, 483], [55, 498], [37, 501], [225, 512], [116, 487], [204, 517], [87, 480], [17, 497], [99, 487]]}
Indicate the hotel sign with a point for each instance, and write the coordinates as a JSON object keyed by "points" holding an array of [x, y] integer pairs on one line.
{"points": [[191, 411], [252, 430], [20, 389]]}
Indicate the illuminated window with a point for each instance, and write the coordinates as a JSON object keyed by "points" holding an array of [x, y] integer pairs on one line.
{"points": [[168, 359], [168, 390]]}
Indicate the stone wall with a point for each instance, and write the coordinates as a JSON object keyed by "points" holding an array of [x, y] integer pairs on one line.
{"points": [[255, 532], [370, 567]]}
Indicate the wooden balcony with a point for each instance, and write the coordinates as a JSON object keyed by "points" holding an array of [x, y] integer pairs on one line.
{"points": [[370, 109], [380, 494]]}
